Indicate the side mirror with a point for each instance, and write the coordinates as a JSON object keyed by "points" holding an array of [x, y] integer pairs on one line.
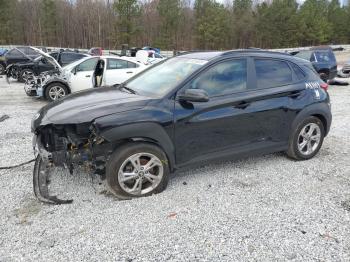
{"points": [[194, 95], [75, 70]]}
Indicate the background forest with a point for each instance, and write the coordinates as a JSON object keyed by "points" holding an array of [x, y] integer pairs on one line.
{"points": [[174, 24]]}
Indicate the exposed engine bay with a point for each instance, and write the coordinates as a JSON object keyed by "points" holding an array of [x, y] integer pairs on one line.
{"points": [[66, 146]]}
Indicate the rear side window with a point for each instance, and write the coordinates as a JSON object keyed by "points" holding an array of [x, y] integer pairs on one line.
{"points": [[116, 64], [297, 71], [132, 65], [224, 78], [272, 73]]}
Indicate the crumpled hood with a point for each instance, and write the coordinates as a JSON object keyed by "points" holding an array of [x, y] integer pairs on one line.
{"points": [[85, 106]]}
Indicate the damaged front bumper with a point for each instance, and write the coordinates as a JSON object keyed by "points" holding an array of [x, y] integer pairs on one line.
{"points": [[65, 147], [41, 175]]}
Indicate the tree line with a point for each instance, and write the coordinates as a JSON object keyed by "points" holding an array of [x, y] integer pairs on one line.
{"points": [[174, 24]]}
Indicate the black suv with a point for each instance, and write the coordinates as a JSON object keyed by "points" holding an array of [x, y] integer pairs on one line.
{"points": [[323, 60], [40, 64], [183, 111]]}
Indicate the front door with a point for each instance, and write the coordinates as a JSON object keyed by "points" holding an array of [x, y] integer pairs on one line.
{"points": [[81, 76]]}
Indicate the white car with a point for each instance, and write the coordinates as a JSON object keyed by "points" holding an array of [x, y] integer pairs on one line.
{"points": [[90, 72]]}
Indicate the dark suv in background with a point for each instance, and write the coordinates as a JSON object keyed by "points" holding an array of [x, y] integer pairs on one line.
{"points": [[322, 59], [183, 111], [40, 64]]}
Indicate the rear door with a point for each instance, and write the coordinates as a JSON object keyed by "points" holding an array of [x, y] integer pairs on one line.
{"points": [[278, 87], [117, 71]]}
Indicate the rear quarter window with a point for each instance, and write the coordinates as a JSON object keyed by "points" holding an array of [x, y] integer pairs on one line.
{"points": [[299, 74], [272, 73]]}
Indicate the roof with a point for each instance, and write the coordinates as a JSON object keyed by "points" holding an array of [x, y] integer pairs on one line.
{"points": [[209, 55]]}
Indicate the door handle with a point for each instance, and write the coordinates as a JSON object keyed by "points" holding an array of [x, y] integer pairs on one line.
{"points": [[242, 105], [295, 94], [129, 72], [87, 75]]}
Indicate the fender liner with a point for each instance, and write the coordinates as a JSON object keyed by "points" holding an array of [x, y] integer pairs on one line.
{"points": [[146, 131], [320, 110]]}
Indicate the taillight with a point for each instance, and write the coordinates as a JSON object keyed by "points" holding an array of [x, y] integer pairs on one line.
{"points": [[324, 86]]}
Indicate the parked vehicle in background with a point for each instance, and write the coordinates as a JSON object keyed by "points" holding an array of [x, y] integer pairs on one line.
{"points": [[345, 71], [85, 73], [40, 64], [96, 51], [66, 57], [17, 55], [112, 70], [3, 51], [20, 54], [183, 111], [322, 59], [2, 60], [154, 57]]}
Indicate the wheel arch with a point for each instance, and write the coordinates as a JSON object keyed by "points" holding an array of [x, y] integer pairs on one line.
{"points": [[321, 111], [55, 82], [147, 132]]}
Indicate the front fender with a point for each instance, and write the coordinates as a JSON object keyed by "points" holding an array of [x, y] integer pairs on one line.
{"points": [[147, 131], [55, 79]]}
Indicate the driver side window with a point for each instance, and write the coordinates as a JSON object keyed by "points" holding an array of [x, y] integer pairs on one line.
{"points": [[224, 78], [88, 65]]}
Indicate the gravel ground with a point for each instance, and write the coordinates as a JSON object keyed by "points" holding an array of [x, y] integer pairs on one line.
{"points": [[266, 208]]}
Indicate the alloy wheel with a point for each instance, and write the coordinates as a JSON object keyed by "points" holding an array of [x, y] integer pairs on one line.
{"points": [[26, 74], [309, 139], [56, 92], [140, 174]]}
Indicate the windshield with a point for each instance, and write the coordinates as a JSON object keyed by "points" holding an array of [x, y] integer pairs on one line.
{"points": [[163, 77]]}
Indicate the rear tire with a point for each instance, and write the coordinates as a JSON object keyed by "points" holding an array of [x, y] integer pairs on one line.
{"points": [[324, 76], [55, 91], [307, 139], [128, 174]]}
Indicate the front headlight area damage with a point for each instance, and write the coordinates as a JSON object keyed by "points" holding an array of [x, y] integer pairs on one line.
{"points": [[66, 147]]}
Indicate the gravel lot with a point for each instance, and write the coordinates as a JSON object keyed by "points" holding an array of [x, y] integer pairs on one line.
{"points": [[267, 208]]}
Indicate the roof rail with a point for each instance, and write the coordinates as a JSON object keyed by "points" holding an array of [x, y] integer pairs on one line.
{"points": [[254, 50]]}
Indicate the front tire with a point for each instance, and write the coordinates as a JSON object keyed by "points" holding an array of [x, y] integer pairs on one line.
{"points": [[24, 75], [307, 139], [137, 170], [55, 91]]}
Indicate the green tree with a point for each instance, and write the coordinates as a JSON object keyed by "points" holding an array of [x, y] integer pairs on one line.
{"points": [[48, 22], [242, 24], [315, 27], [7, 9], [337, 17], [127, 11], [211, 24], [170, 13], [278, 24]]}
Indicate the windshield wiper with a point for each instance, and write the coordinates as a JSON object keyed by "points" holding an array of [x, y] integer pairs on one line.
{"points": [[123, 86]]}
